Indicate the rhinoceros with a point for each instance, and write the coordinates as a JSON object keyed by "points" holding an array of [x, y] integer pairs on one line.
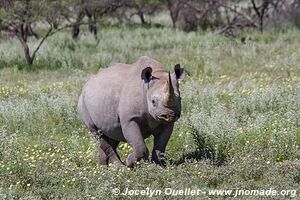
{"points": [[130, 102]]}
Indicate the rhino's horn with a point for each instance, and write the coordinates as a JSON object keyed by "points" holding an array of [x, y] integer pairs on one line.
{"points": [[170, 97]]}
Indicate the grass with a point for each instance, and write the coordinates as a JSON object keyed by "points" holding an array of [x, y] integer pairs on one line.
{"points": [[240, 126]]}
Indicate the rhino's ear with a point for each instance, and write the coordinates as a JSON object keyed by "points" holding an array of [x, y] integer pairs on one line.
{"points": [[179, 72], [146, 74]]}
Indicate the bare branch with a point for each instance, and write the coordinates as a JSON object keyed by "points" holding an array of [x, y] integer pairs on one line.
{"points": [[234, 10], [255, 8], [41, 42]]}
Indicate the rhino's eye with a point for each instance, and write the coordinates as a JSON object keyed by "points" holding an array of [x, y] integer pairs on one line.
{"points": [[153, 102]]}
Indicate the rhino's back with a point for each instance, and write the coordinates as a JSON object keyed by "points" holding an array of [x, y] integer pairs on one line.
{"points": [[99, 101]]}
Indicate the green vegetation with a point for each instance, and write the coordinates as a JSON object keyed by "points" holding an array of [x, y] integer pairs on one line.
{"points": [[240, 126]]}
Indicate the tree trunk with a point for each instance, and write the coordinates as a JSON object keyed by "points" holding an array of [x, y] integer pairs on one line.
{"points": [[260, 12], [28, 58], [174, 18], [75, 28], [141, 15], [173, 12], [26, 50], [261, 25], [92, 25]]}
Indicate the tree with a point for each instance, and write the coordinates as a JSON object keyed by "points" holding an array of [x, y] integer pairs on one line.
{"points": [[148, 7], [174, 7], [17, 18], [194, 14], [237, 15], [260, 11], [140, 8], [92, 9]]}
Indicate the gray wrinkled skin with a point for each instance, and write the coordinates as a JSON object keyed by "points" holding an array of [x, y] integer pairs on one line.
{"points": [[129, 102]]}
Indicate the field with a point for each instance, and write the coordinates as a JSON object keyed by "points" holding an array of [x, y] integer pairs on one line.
{"points": [[240, 126]]}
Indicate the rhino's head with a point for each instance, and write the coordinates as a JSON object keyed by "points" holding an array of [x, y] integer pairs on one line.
{"points": [[162, 93]]}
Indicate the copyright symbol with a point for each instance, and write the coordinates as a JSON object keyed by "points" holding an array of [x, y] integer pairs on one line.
{"points": [[115, 191]]}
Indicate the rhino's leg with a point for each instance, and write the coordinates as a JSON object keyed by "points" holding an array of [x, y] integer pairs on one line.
{"points": [[102, 158], [112, 154], [134, 137], [161, 139], [107, 151]]}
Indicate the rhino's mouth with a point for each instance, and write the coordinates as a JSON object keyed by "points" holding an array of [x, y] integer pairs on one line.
{"points": [[167, 118]]}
